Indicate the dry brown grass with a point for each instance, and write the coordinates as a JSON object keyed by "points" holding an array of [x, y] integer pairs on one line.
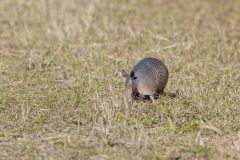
{"points": [[62, 93]]}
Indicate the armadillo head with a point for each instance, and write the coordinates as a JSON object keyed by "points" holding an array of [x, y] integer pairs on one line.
{"points": [[131, 84]]}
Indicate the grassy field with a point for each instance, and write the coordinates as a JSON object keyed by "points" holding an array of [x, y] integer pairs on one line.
{"points": [[62, 94]]}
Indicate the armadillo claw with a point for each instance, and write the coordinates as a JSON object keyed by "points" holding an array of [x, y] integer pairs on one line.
{"points": [[154, 100]]}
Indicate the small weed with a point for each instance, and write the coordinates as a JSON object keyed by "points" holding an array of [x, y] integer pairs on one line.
{"points": [[188, 126]]}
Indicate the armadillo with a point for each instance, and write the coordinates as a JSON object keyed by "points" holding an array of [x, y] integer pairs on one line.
{"points": [[148, 78]]}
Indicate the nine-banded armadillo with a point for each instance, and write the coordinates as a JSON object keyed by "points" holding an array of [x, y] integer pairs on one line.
{"points": [[148, 77]]}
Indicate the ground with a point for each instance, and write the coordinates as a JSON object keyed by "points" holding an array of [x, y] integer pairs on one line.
{"points": [[62, 94]]}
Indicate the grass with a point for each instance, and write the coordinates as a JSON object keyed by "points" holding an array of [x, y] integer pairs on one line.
{"points": [[62, 94]]}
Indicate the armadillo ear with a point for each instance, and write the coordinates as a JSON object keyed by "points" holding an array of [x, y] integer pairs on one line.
{"points": [[125, 73], [132, 74]]}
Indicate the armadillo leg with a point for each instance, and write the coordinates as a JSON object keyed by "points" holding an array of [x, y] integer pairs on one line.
{"points": [[160, 92], [153, 99]]}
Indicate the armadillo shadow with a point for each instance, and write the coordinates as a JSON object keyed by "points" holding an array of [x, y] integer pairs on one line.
{"points": [[159, 95], [169, 94]]}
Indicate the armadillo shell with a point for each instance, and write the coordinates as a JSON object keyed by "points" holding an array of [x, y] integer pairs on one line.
{"points": [[151, 74]]}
